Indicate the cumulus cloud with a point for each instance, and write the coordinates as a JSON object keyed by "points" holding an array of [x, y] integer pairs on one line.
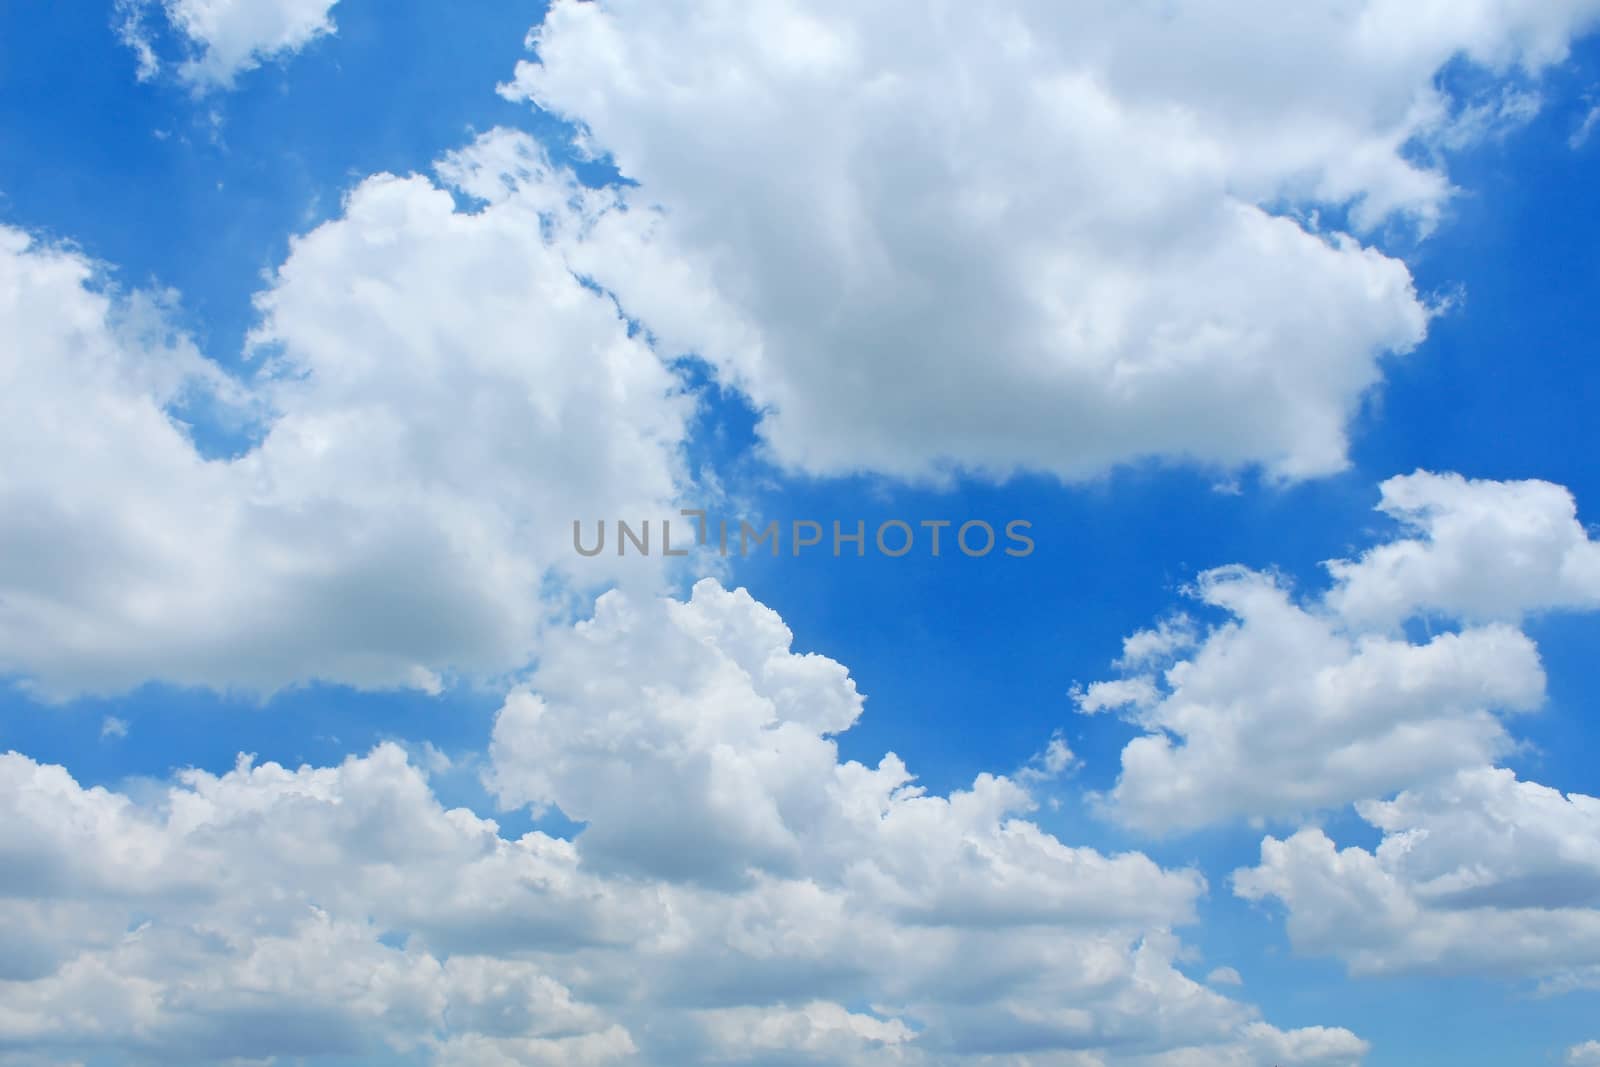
{"points": [[1290, 707], [1282, 712], [1482, 873], [836, 913], [1584, 1055], [1478, 550], [225, 37], [437, 398], [926, 239], [1294, 706], [245, 915], [625, 703]]}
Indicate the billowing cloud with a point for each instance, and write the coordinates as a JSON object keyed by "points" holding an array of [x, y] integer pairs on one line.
{"points": [[437, 399], [1478, 550], [1290, 707], [934, 238], [263, 912], [1479, 874], [703, 706], [1281, 712], [226, 37], [833, 913]]}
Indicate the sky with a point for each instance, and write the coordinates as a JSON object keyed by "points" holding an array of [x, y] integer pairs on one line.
{"points": [[323, 324]]}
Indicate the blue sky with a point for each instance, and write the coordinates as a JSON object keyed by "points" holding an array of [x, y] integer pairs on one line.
{"points": [[865, 397]]}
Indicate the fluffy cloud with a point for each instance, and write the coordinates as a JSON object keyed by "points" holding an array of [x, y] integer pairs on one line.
{"points": [[702, 706], [924, 238], [851, 919], [1482, 873], [1282, 712], [227, 37], [438, 398], [1293, 707], [1479, 550], [244, 915]]}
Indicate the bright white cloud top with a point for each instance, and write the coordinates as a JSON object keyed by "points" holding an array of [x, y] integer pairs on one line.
{"points": [[441, 399], [935, 244], [1282, 712], [934, 237], [1002, 246], [1481, 873], [1287, 708], [737, 894], [1479, 550], [228, 37]]}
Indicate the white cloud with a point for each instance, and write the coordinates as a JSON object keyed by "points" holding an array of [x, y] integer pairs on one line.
{"points": [[129, 22], [241, 915], [439, 399], [1224, 976], [227, 37], [1584, 1055], [1478, 550], [1479, 874], [1024, 238], [820, 1031], [1056, 760], [631, 702], [1146, 647], [1282, 711], [1290, 708], [274, 912], [1295, 706]]}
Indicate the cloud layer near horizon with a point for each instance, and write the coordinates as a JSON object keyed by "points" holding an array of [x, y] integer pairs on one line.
{"points": [[741, 896]]}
